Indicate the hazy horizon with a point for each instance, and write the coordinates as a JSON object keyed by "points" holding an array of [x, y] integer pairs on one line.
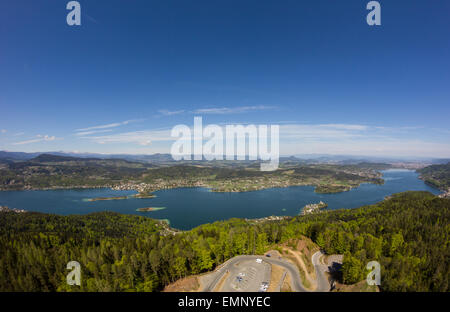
{"points": [[299, 156]]}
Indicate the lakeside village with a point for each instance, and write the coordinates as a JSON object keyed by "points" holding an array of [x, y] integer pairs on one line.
{"points": [[314, 208], [7, 209], [231, 185], [308, 209], [159, 184], [446, 194]]}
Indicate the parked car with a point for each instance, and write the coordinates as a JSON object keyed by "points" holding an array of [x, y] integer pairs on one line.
{"points": [[263, 287]]}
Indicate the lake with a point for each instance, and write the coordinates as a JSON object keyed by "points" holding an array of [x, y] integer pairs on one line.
{"points": [[190, 207]]}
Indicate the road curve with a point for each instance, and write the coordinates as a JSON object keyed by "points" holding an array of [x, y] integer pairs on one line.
{"points": [[322, 281], [323, 284]]}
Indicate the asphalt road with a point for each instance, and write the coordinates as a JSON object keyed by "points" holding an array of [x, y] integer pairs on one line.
{"points": [[322, 282]]}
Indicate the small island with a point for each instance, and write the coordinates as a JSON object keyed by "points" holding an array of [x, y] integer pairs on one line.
{"points": [[314, 208], [143, 195], [150, 209], [139, 195], [106, 198], [331, 189]]}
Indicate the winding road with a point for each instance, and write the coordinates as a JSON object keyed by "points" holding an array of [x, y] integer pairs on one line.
{"points": [[323, 284]]}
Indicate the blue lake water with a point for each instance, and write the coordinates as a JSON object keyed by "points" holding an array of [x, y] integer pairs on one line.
{"points": [[190, 207]]}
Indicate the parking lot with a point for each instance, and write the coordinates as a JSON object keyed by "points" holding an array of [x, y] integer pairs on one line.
{"points": [[249, 273], [247, 276]]}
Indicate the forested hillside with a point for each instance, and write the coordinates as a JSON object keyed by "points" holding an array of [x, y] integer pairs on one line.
{"points": [[437, 175], [408, 234], [55, 172], [50, 171]]}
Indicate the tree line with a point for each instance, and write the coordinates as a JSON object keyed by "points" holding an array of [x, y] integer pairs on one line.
{"points": [[408, 234]]}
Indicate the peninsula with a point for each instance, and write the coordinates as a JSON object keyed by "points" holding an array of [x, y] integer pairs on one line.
{"points": [[313, 208]]}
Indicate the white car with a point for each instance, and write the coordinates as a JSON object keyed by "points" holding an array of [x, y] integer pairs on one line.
{"points": [[258, 260]]}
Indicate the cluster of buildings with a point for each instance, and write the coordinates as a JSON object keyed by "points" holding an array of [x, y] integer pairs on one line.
{"points": [[265, 219], [158, 184], [313, 208], [7, 209], [445, 194]]}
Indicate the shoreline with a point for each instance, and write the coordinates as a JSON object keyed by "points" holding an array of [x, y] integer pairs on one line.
{"points": [[233, 185], [143, 192], [208, 187]]}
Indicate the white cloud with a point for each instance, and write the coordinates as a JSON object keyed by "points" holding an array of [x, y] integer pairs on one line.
{"points": [[231, 110], [39, 138], [3, 131], [321, 131], [217, 110], [112, 125], [295, 138], [92, 132], [143, 138], [345, 126], [166, 112], [287, 132]]}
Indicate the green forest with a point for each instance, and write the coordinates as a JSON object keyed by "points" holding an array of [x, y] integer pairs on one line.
{"points": [[407, 233], [437, 175]]}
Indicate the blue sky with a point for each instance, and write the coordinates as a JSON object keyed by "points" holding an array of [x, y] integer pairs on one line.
{"points": [[134, 69]]}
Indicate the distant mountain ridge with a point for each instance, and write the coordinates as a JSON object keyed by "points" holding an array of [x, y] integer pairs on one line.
{"points": [[17, 155], [160, 157], [58, 158], [22, 156], [80, 161]]}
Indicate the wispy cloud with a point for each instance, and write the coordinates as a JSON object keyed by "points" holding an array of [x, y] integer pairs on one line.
{"points": [[111, 125], [39, 138], [91, 18], [166, 112], [298, 138], [232, 110], [344, 126], [3, 131], [321, 131], [217, 110], [137, 137], [83, 133], [287, 132]]}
